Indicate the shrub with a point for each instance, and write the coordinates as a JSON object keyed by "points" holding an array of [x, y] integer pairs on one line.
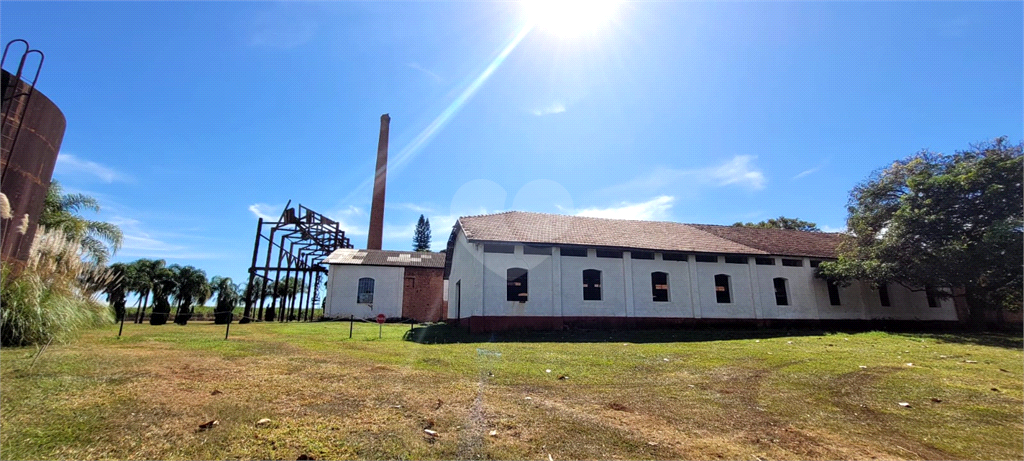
{"points": [[51, 297]]}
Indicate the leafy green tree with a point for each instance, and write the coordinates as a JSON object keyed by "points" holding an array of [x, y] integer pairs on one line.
{"points": [[782, 223], [227, 297], [99, 239], [934, 220], [191, 286], [421, 241]]}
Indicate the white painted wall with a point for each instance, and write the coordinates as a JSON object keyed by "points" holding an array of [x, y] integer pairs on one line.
{"points": [[556, 289], [343, 286]]}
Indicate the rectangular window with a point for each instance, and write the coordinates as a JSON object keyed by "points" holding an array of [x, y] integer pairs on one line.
{"points": [[641, 255], [365, 293], [781, 297], [499, 248], [659, 287], [765, 261], [793, 262], [534, 250], [815, 263], [674, 257], [722, 289], [833, 294], [735, 259], [591, 285], [574, 251], [933, 299], [883, 295], [707, 258], [609, 254], [516, 279]]}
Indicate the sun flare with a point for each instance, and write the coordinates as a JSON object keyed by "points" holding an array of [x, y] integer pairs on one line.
{"points": [[570, 18]]}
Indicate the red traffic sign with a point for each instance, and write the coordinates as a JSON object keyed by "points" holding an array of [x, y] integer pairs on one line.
{"points": [[381, 318]]}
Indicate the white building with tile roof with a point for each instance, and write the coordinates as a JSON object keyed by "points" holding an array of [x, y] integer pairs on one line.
{"points": [[533, 270], [398, 284]]}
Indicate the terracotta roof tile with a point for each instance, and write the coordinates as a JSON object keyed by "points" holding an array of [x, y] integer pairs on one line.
{"points": [[783, 242], [349, 256], [541, 228]]}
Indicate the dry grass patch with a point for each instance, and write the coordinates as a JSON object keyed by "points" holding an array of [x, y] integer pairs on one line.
{"points": [[629, 395]]}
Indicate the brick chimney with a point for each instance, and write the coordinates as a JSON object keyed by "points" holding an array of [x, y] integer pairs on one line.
{"points": [[376, 234]]}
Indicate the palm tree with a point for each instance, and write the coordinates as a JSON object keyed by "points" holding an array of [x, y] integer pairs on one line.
{"points": [[117, 288], [192, 287], [163, 285], [99, 239], [227, 296], [142, 279]]}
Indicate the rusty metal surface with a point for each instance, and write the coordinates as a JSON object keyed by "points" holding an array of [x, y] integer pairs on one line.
{"points": [[31, 132], [293, 246]]}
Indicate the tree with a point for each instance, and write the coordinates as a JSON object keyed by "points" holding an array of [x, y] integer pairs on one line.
{"points": [[191, 287], [117, 288], [421, 241], [227, 297], [162, 285], [933, 220], [142, 276], [782, 223], [99, 239]]}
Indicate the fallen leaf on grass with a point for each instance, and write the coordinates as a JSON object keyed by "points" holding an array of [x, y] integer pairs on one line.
{"points": [[563, 378], [263, 422], [910, 364], [653, 444], [935, 400], [304, 457], [430, 432], [863, 366], [215, 392], [439, 403], [970, 361], [493, 433], [905, 404], [208, 425], [1004, 371], [995, 389]]}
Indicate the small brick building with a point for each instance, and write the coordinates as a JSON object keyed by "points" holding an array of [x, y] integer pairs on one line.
{"points": [[398, 284]]}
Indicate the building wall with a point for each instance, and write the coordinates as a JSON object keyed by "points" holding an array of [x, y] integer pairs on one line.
{"points": [[555, 286], [422, 292], [343, 287]]}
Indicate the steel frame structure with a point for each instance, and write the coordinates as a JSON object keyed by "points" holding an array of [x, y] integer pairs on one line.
{"points": [[301, 239]]}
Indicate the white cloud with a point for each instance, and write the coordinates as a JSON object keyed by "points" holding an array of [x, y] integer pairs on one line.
{"points": [[739, 170], [347, 219], [553, 108], [827, 228], [138, 242], [807, 172], [410, 207], [413, 65], [655, 209], [69, 164], [267, 212]]}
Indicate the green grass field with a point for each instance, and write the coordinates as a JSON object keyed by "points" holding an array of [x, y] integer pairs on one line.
{"points": [[758, 394]]}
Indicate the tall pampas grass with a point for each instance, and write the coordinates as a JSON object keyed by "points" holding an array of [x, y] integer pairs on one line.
{"points": [[52, 297]]}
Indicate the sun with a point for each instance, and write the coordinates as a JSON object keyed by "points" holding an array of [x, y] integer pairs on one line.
{"points": [[570, 18]]}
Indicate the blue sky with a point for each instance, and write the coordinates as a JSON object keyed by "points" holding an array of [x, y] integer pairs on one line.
{"points": [[188, 120]]}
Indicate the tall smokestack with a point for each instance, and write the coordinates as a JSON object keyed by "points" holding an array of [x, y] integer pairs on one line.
{"points": [[376, 234]]}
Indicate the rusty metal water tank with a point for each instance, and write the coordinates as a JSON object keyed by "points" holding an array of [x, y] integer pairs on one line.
{"points": [[33, 128]]}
